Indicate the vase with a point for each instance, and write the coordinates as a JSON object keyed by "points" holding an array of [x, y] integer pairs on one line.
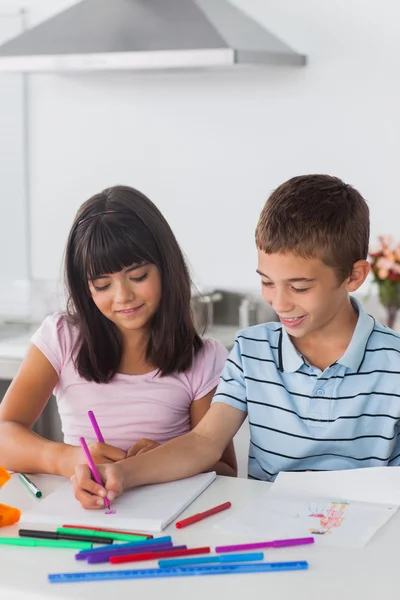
{"points": [[389, 296], [391, 315]]}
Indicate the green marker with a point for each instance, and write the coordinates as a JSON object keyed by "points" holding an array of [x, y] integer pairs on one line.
{"points": [[126, 537], [14, 541]]}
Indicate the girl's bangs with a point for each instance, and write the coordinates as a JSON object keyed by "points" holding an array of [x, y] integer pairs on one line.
{"points": [[111, 249]]}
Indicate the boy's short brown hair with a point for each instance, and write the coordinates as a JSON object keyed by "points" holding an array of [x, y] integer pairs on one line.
{"points": [[316, 216]]}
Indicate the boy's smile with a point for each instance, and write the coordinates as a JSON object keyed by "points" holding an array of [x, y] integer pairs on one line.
{"points": [[292, 322]]}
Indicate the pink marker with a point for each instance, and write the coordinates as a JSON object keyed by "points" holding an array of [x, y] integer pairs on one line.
{"points": [[96, 427], [94, 470], [274, 544]]}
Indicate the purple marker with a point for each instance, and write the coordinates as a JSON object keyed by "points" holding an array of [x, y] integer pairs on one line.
{"points": [[96, 427], [93, 469], [110, 552], [274, 544], [142, 545], [104, 558]]}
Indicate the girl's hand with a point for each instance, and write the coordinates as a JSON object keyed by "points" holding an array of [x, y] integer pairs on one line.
{"points": [[101, 453], [89, 493], [141, 447]]}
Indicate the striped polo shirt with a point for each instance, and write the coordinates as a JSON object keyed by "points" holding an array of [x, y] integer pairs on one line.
{"points": [[301, 418]]}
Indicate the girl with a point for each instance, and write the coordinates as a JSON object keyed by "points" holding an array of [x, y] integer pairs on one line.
{"points": [[126, 348]]}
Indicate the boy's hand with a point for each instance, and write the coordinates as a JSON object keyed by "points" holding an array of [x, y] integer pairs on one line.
{"points": [[89, 493], [101, 453], [141, 447]]}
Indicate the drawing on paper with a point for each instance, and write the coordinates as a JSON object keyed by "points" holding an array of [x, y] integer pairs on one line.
{"points": [[328, 518]]}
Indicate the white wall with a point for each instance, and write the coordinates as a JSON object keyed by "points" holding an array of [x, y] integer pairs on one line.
{"points": [[209, 147], [14, 297]]}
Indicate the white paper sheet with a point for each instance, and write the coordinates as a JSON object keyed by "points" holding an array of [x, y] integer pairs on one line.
{"points": [[338, 508], [147, 508]]}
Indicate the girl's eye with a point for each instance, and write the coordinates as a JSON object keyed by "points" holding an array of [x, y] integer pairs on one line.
{"points": [[300, 290], [102, 288], [139, 279], [267, 283]]}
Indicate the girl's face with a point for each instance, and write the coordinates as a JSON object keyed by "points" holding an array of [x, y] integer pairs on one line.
{"points": [[128, 298]]}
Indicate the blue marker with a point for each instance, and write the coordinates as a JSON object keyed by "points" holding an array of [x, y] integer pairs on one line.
{"points": [[177, 572], [203, 560]]}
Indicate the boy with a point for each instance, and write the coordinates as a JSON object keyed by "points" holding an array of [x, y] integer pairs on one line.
{"points": [[319, 388]]}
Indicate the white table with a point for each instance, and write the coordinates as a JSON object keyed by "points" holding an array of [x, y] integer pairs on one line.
{"points": [[334, 573]]}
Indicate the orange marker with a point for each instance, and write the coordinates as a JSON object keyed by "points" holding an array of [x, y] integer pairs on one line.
{"points": [[8, 514], [4, 476]]}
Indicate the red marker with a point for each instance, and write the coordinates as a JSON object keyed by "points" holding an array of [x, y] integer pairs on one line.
{"points": [[202, 515], [144, 535], [115, 560]]}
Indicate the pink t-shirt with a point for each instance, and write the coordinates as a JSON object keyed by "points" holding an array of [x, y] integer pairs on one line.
{"points": [[130, 407]]}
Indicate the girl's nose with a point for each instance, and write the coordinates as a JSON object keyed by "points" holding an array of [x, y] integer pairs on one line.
{"points": [[124, 293]]}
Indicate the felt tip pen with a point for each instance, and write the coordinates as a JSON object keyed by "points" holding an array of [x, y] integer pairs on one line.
{"points": [[105, 557], [52, 535], [130, 546], [204, 560], [274, 544], [115, 560], [106, 530], [94, 533], [30, 485], [18, 541], [93, 468], [95, 426], [202, 515]]}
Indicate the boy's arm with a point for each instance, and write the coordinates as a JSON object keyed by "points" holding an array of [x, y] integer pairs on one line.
{"points": [[204, 446], [187, 455]]}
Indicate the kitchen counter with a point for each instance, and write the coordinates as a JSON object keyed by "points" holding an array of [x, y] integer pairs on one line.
{"points": [[15, 339], [12, 351]]}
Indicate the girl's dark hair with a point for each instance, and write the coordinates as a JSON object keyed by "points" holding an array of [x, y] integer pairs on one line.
{"points": [[113, 230]]}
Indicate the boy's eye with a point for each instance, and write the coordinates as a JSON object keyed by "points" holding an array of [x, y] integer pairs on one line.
{"points": [[267, 283], [300, 290]]}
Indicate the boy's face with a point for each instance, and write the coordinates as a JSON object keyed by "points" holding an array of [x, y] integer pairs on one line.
{"points": [[305, 293]]}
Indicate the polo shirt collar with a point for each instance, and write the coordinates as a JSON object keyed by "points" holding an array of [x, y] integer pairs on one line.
{"points": [[290, 360]]}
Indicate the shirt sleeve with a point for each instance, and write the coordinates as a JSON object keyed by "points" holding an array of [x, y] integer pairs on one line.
{"points": [[232, 386], [207, 367], [54, 340]]}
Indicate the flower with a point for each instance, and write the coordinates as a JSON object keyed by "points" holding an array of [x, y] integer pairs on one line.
{"points": [[385, 260], [385, 266]]}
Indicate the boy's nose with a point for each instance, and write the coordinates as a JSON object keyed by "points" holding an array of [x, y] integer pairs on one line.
{"points": [[281, 304]]}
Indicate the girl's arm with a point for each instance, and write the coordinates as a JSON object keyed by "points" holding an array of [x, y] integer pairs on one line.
{"points": [[227, 465], [27, 396]]}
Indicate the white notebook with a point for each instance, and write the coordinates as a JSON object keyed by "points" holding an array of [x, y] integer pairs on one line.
{"points": [[146, 508]]}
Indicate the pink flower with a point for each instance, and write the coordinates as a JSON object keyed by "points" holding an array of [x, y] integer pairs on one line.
{"points": [[384, 263]]}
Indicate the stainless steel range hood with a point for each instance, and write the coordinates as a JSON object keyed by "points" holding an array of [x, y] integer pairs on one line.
{"points": [[145, 34]]}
